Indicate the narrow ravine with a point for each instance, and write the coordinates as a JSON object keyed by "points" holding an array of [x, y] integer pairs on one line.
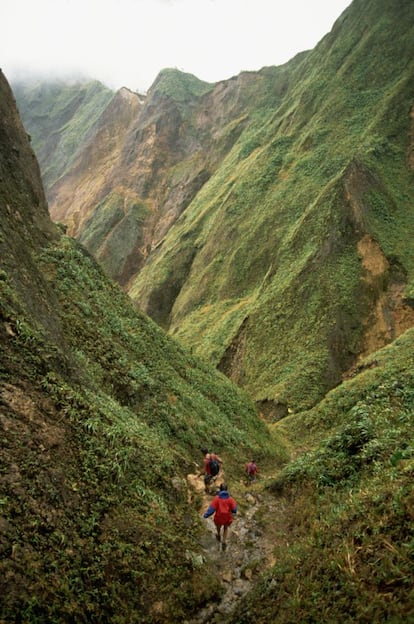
{"points": [[250, 545]]}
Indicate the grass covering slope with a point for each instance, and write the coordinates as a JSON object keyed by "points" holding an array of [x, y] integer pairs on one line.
{"points": [[102, 416], [265, 262], [344, 548], [61, 117], [127, 410], [112, 233], [181, 87]]}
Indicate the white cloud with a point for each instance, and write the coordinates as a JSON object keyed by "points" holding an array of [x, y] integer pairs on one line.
{"points": [[127, 42]]}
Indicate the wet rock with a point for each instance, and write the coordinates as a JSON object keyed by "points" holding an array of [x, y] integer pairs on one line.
{"points": [[227, 576], [250, 499], [241, 587], [237, 566], [196, 483], [226, 605], [248, 574]]}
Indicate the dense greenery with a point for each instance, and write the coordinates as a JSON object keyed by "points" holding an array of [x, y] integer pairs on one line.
{"points": [[292, 262], [274, 234], [179, 86], [111, 233], [130, 409], [345, 550], [278, 176], [102, 417]]}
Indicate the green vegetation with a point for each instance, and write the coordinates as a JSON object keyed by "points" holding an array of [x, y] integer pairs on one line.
{"points": [[276, 187], [319, 165], [110, 234], [181, 87], [291, 260], [60, 117], [104, 417], [142, 376], [348, 504]]}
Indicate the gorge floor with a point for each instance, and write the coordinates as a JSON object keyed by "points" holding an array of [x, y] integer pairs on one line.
{"points": [[253, 534]]}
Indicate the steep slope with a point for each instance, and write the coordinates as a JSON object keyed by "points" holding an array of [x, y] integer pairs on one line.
{"points": [[61, 118], [342, 520], [296, 258], [142, 165], [101, 417], [91, 393], [265, 220]]}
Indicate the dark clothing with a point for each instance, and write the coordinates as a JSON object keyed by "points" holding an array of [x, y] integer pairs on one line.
{"points": [[208, 477], [208, 456]]}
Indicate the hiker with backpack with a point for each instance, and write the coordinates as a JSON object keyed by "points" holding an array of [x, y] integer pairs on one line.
{"points": [[212, 465], [224, 508], [251, 471]]}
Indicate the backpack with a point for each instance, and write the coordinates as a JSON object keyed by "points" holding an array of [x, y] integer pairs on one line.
{"points": [[214, 465]]}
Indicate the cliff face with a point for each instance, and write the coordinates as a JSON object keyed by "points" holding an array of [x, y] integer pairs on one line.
{"points": [[25, 223], [90, 392], [102, 416], [293, 262], [140, 163], [264, 220], [61, 117], [74, 197]]}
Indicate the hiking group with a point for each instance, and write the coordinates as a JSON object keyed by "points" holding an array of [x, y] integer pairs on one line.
{"points": [[223, 505]]}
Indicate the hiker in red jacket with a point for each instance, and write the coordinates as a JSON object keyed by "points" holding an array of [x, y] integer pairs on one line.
{"points": [[224, 508], [251, 471], [211, 467]]}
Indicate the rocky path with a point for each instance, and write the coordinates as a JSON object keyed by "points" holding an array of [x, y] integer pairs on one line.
{"points": [[249, 550]]}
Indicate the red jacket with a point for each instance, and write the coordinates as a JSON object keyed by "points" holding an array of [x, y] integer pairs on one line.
{"points": [[223, 506], [251, 469], [207, 458]]}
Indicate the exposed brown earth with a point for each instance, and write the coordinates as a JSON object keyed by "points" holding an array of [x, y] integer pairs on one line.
{"points": [[391, 315], [150, 149]]}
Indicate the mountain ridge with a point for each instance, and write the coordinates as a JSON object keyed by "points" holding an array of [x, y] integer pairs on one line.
{"points": [[90, 390], [206, 173], [102, 416]]}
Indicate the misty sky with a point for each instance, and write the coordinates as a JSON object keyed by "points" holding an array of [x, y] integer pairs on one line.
{"points": [[127, 42]]}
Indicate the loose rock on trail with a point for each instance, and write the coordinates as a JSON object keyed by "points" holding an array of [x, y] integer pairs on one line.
{"points": [[249, 549]]}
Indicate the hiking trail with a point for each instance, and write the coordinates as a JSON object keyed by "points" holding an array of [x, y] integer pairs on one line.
{"points": [[250, 545]]}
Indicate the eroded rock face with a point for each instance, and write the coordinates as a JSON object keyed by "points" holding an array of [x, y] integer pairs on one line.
{"points": [[29, 184], [249, 218], [75, 196], [387, 313], [152, 154], [56, 320], [390, 314], [25, 225]]}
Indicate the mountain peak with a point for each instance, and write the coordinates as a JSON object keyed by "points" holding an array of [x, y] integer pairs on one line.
{"points": [[178, 84]]}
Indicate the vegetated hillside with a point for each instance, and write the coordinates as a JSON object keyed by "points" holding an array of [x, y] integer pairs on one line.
{"points": [[296, 258], [266, 220], [145, 160], [101, 415], [91, 391], [344, 548], [61, 117]]}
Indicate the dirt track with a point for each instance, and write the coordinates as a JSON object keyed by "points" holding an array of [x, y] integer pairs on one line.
{"points": [[250, 544]]}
